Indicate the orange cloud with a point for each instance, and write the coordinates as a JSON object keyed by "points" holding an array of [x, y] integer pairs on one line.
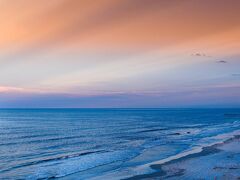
{"points": [[119, 23]]}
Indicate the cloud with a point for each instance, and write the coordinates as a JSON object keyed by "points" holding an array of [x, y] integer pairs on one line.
{"points": [[216, 96], [4, 89], [236, 74], [200, 55], [221, 61]]}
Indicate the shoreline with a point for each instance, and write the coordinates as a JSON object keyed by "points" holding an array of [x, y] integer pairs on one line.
{"points": [[157, 169], [160, 166]]}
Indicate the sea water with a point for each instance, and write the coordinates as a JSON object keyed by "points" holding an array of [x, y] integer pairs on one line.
{"points": [[92, 143]]}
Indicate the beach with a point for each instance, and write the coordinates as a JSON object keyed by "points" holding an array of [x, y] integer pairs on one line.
{"points": [[219, 161], [119, 90]]}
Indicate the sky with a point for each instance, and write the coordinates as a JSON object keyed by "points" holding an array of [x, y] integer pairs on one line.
{"points": [[119, 53]]}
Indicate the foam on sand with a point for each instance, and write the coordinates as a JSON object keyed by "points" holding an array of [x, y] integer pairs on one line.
{"points": [[148, 168]]}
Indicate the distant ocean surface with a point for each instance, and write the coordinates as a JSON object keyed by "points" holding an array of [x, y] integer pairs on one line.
{"points": [[98, 143]]}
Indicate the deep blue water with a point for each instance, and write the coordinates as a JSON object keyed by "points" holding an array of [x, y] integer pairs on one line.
{"points": [[45, 143]]}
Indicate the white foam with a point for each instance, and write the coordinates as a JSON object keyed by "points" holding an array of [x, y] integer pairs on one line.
{"points": [[146, 168], [221, 138], [74, 165]]}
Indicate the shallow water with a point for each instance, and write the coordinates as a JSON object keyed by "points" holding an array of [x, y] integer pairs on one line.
{"points": [[45, 143]]}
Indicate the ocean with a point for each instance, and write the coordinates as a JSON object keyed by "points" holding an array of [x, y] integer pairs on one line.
{"points": [[103, 143]]}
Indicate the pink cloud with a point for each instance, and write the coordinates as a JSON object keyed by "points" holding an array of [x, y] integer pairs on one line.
{"points": [[10, 89]]}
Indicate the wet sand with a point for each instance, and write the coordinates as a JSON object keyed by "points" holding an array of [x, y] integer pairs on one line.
{"points": [[221, 161]]}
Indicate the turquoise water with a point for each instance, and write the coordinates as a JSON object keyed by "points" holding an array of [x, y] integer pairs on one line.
{"points": [[58, 143]]}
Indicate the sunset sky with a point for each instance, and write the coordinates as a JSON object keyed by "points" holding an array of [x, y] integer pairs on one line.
{"points": [[119, 53]]}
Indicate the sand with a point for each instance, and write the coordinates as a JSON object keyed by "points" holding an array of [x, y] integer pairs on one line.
{"points": [[221, 161]]}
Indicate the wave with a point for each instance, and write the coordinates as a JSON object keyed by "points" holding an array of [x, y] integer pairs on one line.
{"points": [[54, 159], [148, 168], [219, 139], [41, 140], [63, 167], [75, 165]]}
